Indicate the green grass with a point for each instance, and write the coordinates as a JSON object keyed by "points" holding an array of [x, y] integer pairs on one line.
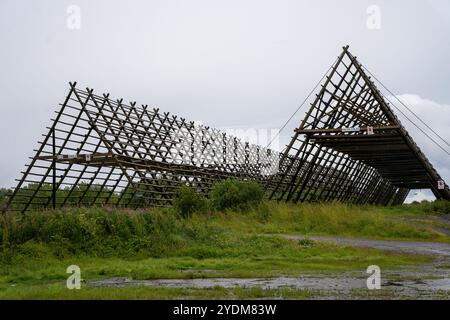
{"points": [[153, 244], [335, 219], [59, 292], [43, 277], [385, 294], [268, 257], [437, 206]]}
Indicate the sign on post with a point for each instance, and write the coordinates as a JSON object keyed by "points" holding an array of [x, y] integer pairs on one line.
{"points": [[351, 129]]}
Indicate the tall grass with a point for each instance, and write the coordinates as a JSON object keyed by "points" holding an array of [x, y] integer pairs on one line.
{"points": [[437, 206], [109, 232], [98, 231], [337, 219]]}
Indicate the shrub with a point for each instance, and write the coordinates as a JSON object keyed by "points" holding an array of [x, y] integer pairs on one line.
{"points": [[440, 206], [436, 206], [96, 231], [305, 242], [236, 194], [187, 201]]}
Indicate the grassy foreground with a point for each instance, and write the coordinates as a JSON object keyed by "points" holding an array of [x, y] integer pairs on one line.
{"points": [[152, 244]]}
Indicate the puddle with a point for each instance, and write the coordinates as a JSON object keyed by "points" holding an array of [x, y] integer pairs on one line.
{"points": [[422, 282], [344, 284], [409, 281]]}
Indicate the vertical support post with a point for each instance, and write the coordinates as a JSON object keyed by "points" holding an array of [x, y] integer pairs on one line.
{"points": [[54, 168]]}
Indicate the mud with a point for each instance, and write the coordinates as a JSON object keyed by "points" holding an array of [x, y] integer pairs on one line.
{"points": [[426, 281], [331, 287]]}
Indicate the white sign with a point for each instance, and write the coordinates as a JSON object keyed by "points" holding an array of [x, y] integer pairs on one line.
{"points": [[351, 129], [441, 184], [88, 157], [369, 130]]}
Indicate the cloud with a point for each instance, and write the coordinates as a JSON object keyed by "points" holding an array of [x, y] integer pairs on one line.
{"points": [[419, 195]]}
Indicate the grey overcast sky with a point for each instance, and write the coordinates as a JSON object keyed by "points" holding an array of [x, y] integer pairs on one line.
{"points": [[240, 64]]}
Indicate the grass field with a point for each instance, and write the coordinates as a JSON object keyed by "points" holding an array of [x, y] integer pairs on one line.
{"points": [[154, 244]]}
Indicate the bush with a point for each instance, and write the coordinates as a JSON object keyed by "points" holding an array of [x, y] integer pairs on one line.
{"points": [[306, 242], [186, 201], [102, 232], [436, 206], [439, 206], [236, 194]]}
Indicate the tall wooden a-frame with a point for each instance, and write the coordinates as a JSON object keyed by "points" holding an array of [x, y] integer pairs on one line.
{"points": [[351, 147]]}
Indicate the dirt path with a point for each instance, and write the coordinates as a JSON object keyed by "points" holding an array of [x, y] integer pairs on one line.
{"points": [[437, 222], [418, 247]]}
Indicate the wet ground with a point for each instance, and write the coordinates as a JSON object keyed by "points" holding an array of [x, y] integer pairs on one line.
{"points": [[344, 286], [426, 281]]}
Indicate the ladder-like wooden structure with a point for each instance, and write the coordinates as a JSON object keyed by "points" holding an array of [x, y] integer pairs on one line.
{"points": [[101, 151], [349, 147]]}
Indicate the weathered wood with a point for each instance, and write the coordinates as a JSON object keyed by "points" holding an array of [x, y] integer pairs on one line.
{"points": [[104, 151], [347, 105]]}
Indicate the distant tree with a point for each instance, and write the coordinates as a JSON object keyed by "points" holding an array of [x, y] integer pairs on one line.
{"points": [[4, 194]]}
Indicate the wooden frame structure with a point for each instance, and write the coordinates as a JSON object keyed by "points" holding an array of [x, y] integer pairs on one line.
{"points": [[349, 147], [103, 151]]}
